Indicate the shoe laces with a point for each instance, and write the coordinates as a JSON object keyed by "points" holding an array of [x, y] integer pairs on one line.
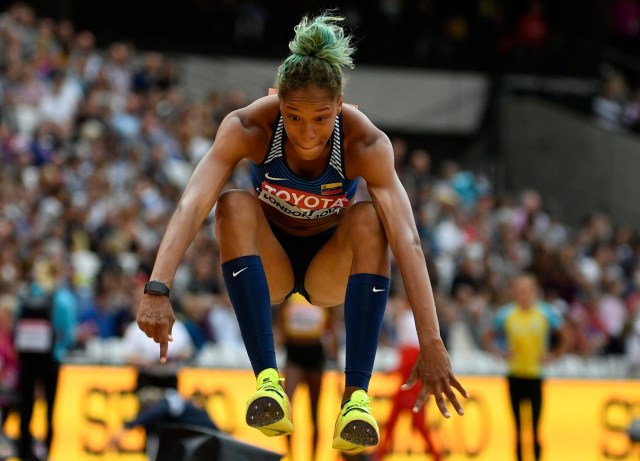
{"points": [[269, 385], [362, 404]]}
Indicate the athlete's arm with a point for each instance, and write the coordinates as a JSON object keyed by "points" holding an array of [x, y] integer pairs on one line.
{"points": [[199, 196], [238, 136], [373, 160]]}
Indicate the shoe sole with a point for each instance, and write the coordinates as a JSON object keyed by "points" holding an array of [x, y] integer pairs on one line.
{"points": [[359, 433], [264, 411]]}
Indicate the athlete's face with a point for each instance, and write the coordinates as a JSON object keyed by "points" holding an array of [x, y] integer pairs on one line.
{"points": [[309, 114]]}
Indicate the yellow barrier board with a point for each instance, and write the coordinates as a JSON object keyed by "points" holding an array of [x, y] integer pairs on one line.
{"points": [[581, 420]]}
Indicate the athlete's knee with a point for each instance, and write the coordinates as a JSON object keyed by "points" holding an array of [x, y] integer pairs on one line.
{"points": [[235, 203], [365, 224], [235, 209]]}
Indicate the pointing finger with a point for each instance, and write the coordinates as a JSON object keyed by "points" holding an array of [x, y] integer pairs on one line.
{"points": [[164, 349], [163, 339]]}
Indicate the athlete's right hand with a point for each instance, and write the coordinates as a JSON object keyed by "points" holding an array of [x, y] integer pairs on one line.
{"points": [[156, 318]]}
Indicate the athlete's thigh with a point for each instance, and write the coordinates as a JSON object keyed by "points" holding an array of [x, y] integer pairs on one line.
{"points": [[242, 229], [327, 275], [275, 262]]}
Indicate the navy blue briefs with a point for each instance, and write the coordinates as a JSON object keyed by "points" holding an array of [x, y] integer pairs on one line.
{"points": [[301, 251]]}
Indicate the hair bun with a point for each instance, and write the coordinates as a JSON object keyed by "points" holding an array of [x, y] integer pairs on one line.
{"points": [[322, 37], [320, 50]]}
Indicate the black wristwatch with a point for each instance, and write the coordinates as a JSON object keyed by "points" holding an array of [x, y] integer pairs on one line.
{"points": [[154, 287]]}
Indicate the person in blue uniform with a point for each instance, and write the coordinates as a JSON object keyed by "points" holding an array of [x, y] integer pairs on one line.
{"points": [[44, 333], [301, 230]]}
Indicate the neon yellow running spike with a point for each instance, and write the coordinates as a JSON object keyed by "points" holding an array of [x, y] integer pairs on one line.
{"points": [[269, 410], [355, 428]]}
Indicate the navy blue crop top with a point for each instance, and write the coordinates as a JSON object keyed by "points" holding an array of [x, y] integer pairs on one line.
{"points": [[298, 197]]}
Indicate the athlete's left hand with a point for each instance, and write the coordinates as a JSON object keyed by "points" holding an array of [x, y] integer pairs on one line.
{"points": [[433, 369]]}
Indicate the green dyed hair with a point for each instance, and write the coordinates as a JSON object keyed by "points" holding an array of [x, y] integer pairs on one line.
{"points": [[320, 51]]}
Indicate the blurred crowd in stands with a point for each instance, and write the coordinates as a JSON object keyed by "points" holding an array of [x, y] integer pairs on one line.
{"points": [[617, 106], [97, 144]]}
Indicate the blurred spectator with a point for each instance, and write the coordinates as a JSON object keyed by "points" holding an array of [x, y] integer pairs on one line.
{"points": [[108, 313], [613, 313], [597, 263], [608, 106], [525, 327], [558, 271], [589, 331], [631, 111], [118, 72], [400, 150], [472, 315], [223, 324], [60, 101], [150, 76], [127, 122], [531, 221], [17, 32], [468, 274], [199, 289], [44, 333], [9, 366], [417, 172], [65, 34], [309, 338], [25, 96], [84, 61], [632, 347]]}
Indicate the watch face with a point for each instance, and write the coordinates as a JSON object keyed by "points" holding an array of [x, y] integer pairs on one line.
{"points": [[155, 287]]}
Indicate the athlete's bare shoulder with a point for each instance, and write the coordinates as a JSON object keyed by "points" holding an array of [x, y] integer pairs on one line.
{"points": [[260, 114], [364, 143], [250, 127]]}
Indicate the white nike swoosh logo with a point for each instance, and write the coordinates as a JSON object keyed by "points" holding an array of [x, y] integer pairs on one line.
{"points": [[376, 290], [268, 176], [235, 274]]}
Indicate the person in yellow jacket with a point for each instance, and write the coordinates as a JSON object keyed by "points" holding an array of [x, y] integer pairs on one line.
{"points": [[521, 333]]}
